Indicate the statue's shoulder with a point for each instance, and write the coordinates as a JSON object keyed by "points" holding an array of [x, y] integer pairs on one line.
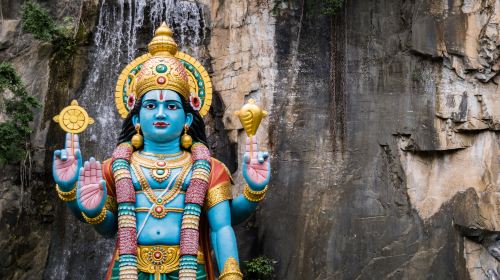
{"points": [[219, 170], [219, 188], [107, 175]]}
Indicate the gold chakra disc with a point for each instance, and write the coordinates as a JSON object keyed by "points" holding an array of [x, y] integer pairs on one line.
{"points": [[73, 119]]}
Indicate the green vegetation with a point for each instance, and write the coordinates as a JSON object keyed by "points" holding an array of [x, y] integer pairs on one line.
{"points": [[332, 7], [18, 106], [260, 268], [315, 7], [37, 21]]}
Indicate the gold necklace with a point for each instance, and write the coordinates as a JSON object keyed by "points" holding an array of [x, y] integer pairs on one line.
{"points": [[159, 210], [161, 156], [160, 169]]}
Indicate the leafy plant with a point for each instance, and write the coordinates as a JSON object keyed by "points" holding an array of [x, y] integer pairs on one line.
{"points": [[37, 21], [332, 7], [260, 268], [19, 106]]}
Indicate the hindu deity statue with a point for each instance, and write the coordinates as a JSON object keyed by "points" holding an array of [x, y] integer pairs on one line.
{"points": [[169, 202]]}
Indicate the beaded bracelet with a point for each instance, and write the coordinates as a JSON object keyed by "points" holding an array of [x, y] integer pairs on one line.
{"points": [[96, 220], [254, 196], [66, 196]]}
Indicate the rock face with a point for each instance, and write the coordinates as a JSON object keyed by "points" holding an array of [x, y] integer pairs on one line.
{"points": [[383, 131]]}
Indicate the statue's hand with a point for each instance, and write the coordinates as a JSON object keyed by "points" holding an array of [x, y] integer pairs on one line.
{"points": [[67, 162], [256, 166], [91, 193]]}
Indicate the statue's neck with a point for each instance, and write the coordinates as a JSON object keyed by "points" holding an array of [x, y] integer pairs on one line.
{"points": [[162, 148]]}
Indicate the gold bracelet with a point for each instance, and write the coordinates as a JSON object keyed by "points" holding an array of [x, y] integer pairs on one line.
{"points": [[66, 196], [96, 220], [254, 196], [231, 270]]}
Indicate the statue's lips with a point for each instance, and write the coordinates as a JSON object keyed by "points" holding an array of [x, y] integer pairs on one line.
{"points": [[161, 124]]}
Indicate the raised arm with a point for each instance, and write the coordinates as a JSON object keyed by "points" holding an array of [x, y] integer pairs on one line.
{"points": [[65, 167], [82, 187], [257, 173]]}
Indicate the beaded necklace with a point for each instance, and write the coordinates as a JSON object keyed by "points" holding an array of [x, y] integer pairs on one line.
{"points": [[127, 228]]}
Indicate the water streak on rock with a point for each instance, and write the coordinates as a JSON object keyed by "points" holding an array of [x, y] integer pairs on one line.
{"points": [[117, 41]]}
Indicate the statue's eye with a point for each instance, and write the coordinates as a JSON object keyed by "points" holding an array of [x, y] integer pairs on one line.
{"points": [[172, 107], [150, 106]]}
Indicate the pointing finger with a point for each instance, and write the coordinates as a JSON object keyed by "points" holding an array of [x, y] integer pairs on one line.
{"points": [[76, 142], [68, 142], [254, 148]]}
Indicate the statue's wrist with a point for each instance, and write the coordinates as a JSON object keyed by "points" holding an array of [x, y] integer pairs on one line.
{"points": [[253, 195], [66, 186], [66, 194], [97, 219]]}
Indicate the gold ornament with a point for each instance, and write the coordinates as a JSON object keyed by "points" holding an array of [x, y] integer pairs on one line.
{"points": [[73, 119], [231, 270], [186, 140], [66, 196], [218, 194], [158, 259], [158, 210], [250, 116], [96, 220], [163, 67], [137, 139], [254, 196]]}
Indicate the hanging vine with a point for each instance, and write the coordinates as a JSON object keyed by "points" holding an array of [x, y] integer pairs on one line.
{"points": [[17, 111]]}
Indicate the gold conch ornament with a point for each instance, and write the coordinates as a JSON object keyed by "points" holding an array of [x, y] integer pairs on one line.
{"points": [[250, 116], [73, 118]]}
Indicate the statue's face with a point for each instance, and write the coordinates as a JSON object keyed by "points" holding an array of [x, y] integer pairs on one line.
{"points": [[162, 117]]}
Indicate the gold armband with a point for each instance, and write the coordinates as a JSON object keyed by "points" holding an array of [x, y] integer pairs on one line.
{"points": [[66, 196], [218, 194], [96, 220], [254, 196], [231, 270]]}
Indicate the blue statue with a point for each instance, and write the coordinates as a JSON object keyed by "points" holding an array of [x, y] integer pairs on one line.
{"points": [[167, 199]]}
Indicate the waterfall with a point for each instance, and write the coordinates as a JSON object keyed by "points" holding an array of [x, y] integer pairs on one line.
{"points": [[123, 30]]}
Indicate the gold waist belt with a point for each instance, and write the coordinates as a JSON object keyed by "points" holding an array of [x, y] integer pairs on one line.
{"points": [[156, 259]]}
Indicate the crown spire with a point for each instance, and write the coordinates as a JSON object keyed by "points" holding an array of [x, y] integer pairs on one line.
{"points": [[163, 43]]}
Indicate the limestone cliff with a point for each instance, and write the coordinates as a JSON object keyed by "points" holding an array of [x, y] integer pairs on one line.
{"points": [[384, 131]]}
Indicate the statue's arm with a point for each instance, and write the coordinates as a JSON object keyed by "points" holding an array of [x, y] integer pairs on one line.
{"points": [[65, 171], [223, 239], [257, 173], [82, 188]]}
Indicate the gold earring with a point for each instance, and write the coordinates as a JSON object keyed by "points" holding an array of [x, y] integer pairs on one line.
{"points": [[186, 140], [137, 138]]}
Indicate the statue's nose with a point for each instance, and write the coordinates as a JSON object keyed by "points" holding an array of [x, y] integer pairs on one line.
{"points": [[161, 112]]}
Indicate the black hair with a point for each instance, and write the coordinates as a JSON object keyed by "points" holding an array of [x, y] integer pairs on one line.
{"points": [[196, 130]]}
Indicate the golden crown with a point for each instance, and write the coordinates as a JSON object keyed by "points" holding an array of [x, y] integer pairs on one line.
{"points": [[164, 67], [162, 70]]}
